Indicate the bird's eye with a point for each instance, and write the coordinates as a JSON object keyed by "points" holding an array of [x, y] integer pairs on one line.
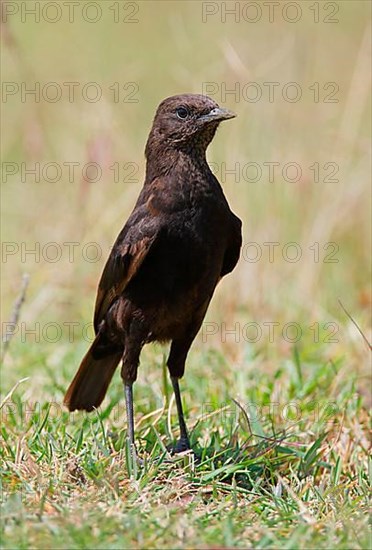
{"points": [[182, 112]]}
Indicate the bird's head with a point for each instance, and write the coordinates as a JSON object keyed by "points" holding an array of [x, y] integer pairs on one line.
{"points": [[186, 122]]}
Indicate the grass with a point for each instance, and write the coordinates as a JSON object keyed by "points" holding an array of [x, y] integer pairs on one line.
{"points": [[277, 388], [293, 473]]}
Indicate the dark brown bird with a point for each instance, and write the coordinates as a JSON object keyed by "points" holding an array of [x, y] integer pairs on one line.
{"points": [[179, 241]]}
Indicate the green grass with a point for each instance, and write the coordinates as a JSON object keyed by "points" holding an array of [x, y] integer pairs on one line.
{"points": [[280, 477]]}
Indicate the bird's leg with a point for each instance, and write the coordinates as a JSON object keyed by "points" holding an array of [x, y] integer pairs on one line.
{"points": [[183, 444], [132, 467], [176, 366], [129, 368], [130, 416]]}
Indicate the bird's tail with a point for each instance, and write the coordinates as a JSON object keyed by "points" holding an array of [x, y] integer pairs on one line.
{"points": [[91, 381]]}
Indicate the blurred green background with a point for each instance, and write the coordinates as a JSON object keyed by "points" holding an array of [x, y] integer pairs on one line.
{"points": [[138, 53]]}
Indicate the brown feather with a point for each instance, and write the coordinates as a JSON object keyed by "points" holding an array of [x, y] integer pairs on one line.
{"points": [[91, 381], [118, 272]]}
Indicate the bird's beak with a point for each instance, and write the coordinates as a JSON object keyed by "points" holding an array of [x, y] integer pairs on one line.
{"points": [[217, 114]]}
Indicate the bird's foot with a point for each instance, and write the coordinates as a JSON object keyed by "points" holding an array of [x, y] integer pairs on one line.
{"points": [[182, 445], [133, 460]]}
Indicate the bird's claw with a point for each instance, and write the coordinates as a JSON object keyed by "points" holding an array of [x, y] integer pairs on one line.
{"points": [[182, 445]]}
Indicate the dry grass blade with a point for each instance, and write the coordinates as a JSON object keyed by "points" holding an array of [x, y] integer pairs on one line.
{"points": [[16, 313], [356, 325], [9, 394]]}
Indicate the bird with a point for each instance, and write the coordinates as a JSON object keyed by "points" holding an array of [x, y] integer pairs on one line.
{"points": [[179, 241]]}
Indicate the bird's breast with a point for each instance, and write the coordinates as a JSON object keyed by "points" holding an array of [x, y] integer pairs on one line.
{"points": [[184, 263]]}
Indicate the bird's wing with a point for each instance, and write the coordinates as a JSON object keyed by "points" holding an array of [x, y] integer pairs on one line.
{"points": [[233, 249], [128, 253]]}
